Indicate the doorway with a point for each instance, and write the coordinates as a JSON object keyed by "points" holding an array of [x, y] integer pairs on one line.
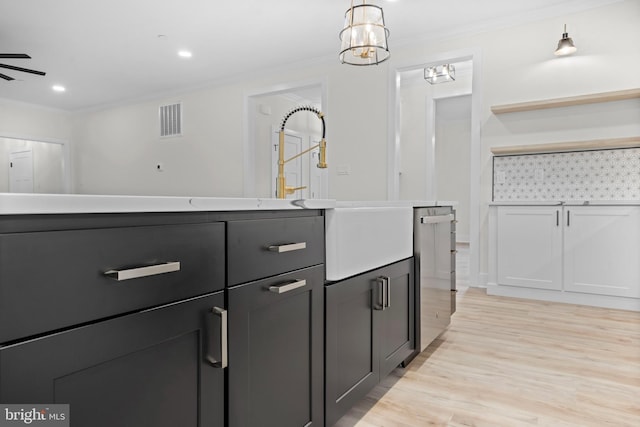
{"points": [[28, 165], [264, 111], [412, 154], [452, 163], [21, 171]]}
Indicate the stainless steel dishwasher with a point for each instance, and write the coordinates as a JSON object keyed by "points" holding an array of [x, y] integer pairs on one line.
{"points": [[434, 243]]}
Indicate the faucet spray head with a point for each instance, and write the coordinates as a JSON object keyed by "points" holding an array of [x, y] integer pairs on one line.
{"points": [[322, 162]]}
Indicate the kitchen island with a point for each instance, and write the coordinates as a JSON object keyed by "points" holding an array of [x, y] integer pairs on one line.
{"points": [[173, 311]]}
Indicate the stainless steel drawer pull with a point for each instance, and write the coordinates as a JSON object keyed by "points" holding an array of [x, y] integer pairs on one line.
{"points": [[151, 270], [434, 219], [223, 361], [288, 247], [287, 287]]}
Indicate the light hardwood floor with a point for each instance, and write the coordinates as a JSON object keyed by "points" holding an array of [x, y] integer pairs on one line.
{"points": [[514, 362]]}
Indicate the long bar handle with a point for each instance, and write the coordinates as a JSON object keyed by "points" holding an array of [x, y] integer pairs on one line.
{"points": [[568, 218], [384, 292], [151, 270], [288, 247], [223, 362], [387, 283], [434, 219], [287, 287], [557, 218]]}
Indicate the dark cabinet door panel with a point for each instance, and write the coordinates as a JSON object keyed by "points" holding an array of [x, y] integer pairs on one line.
{"points": [[275, 373], [145, 369], [352, 345], [369, 321], [397, 336]]}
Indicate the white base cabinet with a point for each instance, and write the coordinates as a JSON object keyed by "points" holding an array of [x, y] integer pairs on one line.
{"points": [[530, 247], [576, 254], [602, 250]]}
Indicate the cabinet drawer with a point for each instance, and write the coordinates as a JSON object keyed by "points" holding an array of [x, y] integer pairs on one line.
{"points": [[52, 280], [262, 248]]}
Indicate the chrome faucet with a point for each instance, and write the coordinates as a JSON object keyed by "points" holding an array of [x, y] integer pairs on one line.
{"points": [[282, 188]]}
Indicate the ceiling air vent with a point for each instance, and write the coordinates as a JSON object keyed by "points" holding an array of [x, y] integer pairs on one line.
{"points": [[171, 120]]}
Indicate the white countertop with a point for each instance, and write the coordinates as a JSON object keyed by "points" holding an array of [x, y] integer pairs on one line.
{"points": [[19, 204], [392, 203], [568, 203], [14, 204]]}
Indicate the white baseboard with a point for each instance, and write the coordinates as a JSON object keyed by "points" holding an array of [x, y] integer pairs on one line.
{"points": [[605, 301]]}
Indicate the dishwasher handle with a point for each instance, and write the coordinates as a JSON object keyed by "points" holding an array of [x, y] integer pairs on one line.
{"points": [[434, 219]]}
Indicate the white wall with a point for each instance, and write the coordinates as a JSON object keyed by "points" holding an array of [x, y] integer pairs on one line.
{"points": [[116, 149]]}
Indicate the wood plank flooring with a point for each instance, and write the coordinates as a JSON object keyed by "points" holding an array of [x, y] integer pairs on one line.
{"points": [[514, 362]]}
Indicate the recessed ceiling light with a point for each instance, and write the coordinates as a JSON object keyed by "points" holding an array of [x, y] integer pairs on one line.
{"points": [[58, 88], [184, 54]]}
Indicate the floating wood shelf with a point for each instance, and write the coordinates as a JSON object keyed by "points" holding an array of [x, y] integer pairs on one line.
{"points": [[567, 102], [559, 147]]}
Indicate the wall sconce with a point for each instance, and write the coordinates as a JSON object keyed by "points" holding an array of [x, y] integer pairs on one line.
{"points": [[364, 37], [565, 45], [440, 73]]}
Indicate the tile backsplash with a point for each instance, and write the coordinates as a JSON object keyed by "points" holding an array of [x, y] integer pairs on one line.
{"points": [[583, 175]]}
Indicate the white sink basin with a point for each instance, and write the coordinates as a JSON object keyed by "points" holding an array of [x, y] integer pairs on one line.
{"points": [[361, 238]]}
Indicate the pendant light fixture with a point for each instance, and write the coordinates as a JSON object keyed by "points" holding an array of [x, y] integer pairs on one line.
{"points": [[565, 45], [364, 37], [440, 73]]}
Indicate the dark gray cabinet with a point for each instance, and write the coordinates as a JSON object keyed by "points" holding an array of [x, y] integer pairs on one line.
{"points": [[120, 316], [127, 317], [369, 321], [152, 368], [276, 351]]}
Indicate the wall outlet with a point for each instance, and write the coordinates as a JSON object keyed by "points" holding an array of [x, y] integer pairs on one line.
{"points": [[501, 177], [343, 169]]}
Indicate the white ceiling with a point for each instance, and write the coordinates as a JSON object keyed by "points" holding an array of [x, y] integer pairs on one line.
{"points": [[108, 52]]}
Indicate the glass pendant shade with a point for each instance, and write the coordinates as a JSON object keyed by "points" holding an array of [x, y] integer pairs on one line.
{"points": [[364, 37], [565, 45], [440, 73]]}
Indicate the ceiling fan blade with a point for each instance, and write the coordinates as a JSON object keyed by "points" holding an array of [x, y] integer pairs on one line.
{"points": [[14, 55], [7, 78], [25, 70]]}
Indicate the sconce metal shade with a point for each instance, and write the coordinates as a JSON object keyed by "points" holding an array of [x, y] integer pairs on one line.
{"points": [[364, 37], [565, 44], [440, 73]]}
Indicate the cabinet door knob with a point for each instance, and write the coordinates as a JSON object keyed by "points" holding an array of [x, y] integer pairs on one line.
{"points": [[223, 361], [151, 270], [287, 287], [288, 247]]}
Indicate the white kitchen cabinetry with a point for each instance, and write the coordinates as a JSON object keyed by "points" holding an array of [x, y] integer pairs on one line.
{"points": [[602, 250], [530, 246], [576, 254]]}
